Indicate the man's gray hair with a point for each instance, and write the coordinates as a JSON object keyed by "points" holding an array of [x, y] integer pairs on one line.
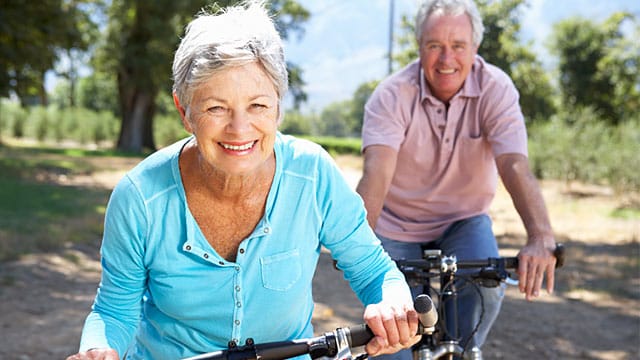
{"points": [[450, 7], [233, 36]]}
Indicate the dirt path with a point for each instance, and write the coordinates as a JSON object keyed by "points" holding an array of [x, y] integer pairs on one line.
{"points": [[595, 314]]}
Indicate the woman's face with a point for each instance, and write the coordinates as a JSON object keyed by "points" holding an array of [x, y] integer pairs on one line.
{"points": [[234, 118]]}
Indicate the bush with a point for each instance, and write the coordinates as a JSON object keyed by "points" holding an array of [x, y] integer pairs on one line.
{"points": [[168, 129], [337, 145], [295, 123], [580, 146]]}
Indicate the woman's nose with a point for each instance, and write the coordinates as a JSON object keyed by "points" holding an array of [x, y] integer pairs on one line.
{"points": [[239, 122]]}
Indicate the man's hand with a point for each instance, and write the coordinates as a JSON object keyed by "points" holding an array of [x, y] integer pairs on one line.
{"points": [[534, 261], [395, 327], [96, 354]]}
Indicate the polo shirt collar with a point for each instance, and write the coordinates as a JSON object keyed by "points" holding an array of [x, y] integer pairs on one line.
{"points": [[470, 88]]}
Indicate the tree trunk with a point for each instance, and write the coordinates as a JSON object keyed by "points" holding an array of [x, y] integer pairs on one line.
{"points": [[138, 108]]}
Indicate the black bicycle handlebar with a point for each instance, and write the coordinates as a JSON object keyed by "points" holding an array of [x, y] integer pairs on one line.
{"points": [[499, 262], [329, 344], [325, 345]]}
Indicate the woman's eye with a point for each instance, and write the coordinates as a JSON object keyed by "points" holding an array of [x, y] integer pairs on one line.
{"points": [[258, 106], [216, 109]]}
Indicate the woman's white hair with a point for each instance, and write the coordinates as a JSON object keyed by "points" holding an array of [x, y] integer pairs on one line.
{"points": [[233, 36]]}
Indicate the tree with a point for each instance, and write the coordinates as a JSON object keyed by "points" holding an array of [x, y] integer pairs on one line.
{"points": [[502, 47], [142, 38], [335, 119], [33, 37], [598, 65], [295, 123], [360, 97], [344, 118]]}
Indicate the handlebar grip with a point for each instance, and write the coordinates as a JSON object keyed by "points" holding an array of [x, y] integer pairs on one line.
{"points": [[360, 335], [559, 254], [511, 262]]}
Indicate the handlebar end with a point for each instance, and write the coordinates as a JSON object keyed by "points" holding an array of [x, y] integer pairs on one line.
{"points": [[559, 253]]}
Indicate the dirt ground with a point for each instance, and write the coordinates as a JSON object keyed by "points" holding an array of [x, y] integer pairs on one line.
{"points": [[594, 313]]}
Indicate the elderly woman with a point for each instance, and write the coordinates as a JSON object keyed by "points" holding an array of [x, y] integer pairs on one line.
{"points": [[216, 238]]}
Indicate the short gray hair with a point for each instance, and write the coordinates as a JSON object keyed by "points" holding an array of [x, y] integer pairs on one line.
{"points": [[450, 7], [233, 36]]}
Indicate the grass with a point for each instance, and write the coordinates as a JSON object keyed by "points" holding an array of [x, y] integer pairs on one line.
{"points": [[37, 212]]}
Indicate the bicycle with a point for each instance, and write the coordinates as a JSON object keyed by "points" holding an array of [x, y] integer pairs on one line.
{"points": [[443, 343], [336, 345]]}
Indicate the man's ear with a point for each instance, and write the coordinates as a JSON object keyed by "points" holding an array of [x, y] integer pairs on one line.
{"points": [[182, 112]]}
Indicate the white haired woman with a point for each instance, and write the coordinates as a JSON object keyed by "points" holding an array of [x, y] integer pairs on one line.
{"points": [[216, 238]]}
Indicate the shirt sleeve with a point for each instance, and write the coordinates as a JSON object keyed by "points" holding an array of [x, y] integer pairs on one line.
{"points": [[117, 307], [503, 119], [346, 233], [383, 123]]}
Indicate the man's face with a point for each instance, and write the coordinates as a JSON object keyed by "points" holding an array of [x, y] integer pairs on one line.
{"points": [[447, 53]]}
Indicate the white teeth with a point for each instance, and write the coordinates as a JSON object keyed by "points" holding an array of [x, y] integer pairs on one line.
{"points": [[448, 71], [246, 146]]}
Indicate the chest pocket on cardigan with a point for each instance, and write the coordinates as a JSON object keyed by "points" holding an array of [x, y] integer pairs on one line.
{"points": [[282, 270]]}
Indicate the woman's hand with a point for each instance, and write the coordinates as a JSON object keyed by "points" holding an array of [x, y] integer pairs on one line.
{"points": [[96, 354], [395, 327]]}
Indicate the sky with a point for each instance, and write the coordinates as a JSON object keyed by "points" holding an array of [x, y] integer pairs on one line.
{"points": [[345, 42]]}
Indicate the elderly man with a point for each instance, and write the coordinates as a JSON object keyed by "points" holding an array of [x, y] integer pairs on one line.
{"points": [[436, 135]]}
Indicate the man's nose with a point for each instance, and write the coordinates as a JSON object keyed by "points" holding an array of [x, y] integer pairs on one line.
{"points": [[445, 54]]}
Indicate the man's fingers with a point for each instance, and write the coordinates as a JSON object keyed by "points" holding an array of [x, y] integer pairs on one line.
{"points": [[551, 277]]}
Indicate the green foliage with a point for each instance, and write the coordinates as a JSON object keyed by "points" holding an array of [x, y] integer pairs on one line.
{"points": [[168, 129], [99, 92], [295, 123], [405, 43], [33, 37], [337, 145], [360, 98], [598, 65], [335, 119], [578, 145], [344, 118], [14, 119], [55, 125], [502, 47]]}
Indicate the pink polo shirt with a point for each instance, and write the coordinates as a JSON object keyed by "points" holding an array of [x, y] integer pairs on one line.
{"points": [[446, 159]]}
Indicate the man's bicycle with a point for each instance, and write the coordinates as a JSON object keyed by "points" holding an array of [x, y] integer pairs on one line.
{"points": [[443, 342]]}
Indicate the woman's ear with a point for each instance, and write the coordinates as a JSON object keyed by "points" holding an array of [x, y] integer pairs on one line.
{"points": [[182, 112]]}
